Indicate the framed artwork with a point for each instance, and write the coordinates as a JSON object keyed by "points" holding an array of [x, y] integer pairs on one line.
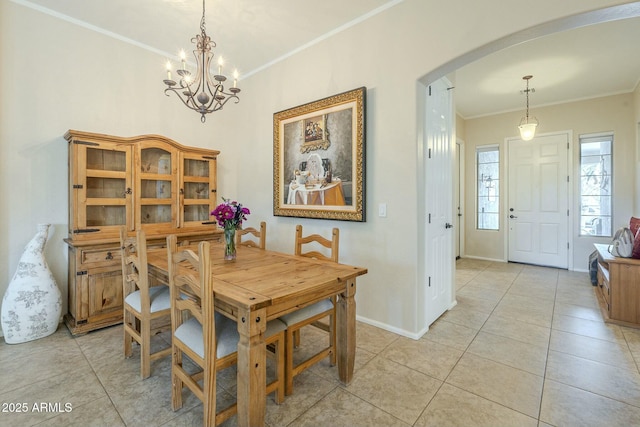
{"points": [[319, 158]]}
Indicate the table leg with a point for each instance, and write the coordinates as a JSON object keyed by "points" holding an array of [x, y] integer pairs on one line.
{"points": [[346, 332], [252, 368]]}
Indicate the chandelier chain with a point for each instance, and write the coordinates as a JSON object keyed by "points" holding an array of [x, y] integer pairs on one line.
{"points": [[527, 92], [203, 26]]}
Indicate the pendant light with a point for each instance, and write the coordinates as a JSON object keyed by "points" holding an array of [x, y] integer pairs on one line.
{"points": [[528, 124]]}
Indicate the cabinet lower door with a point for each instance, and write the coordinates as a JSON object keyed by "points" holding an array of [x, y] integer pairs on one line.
{"points": [[97, 300], [105, 294]]}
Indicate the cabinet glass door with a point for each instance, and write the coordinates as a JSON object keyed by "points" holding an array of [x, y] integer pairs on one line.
{"points": [[102, 189], [197, 190], [156, 188]]}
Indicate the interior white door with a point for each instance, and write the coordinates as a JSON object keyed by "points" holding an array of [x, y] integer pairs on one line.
{"points": [[439, 169], [538, 214]]}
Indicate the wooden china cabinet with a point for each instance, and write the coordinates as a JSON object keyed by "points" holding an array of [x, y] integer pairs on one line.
{"points": [[147, 182]]}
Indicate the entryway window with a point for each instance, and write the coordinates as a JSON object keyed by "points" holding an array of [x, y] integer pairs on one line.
{"points": [[488, 187], [595, 185]]}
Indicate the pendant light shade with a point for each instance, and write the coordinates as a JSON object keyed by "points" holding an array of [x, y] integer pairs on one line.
{"points": [[528, 124], [527, 131]]}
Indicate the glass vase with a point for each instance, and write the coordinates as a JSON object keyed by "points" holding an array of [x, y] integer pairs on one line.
{"points": [[229, 244]]}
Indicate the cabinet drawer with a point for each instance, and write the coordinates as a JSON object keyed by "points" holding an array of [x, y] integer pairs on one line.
{"points": [[106, 256], [603, 284], [606, 292]]}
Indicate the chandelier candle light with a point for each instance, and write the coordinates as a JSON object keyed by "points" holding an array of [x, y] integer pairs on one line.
{"points": [[528, 124], [204, 93]]}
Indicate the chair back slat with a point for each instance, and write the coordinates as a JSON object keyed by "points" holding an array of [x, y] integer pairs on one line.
{"points": [[190, 276], [332, 245], [134, 266], [193, 299], [251, 237], [141, 319], [311, 314], [191, 290]]}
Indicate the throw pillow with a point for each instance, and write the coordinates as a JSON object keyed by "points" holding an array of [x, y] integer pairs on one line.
{"points": [[634, 226]]}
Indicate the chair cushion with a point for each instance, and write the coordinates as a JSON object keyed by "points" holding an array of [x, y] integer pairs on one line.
{"points": [[307, 312], [190, 333], [273, 327], [158, 295]]}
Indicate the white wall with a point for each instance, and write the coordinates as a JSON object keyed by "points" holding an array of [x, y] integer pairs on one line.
{"points": [[57, 76], [608, 114]]}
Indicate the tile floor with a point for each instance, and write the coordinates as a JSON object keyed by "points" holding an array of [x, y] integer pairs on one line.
{"points": [[525, 346]]}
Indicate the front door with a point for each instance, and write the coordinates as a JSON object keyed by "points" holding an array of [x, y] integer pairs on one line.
{"points": [[439, 171], [538, 208]]}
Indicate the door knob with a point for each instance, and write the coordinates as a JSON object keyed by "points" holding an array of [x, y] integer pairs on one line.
{"points": [[512, 216]]}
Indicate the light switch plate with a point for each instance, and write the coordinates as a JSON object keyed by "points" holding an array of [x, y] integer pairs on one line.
{"points": [[382, 210]]}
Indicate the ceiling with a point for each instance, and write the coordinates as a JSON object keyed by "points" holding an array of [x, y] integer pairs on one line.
{"points": [[583, 63]]}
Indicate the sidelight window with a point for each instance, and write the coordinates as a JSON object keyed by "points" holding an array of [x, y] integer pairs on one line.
{"points": [[488, 187], [595, 185]]}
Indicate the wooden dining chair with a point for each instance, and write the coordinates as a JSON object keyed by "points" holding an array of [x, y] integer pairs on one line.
{"points": [[253, 238], [311, 314], [208, 338], [144, 306]]}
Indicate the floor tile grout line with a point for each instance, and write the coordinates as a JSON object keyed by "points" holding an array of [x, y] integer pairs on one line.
{"points": [[95, 374], [546, 361], [492, 401], [593, 393], [97, 377], [363, 400], [636, 361], [592, 360], [336, 386], [478, 331], [516, 340], [442, 383], [549, 350], [476, 335]]}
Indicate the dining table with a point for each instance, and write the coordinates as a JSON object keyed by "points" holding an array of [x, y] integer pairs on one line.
{"points": [[261, 285]]}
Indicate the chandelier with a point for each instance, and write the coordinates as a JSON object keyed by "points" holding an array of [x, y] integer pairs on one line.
{"points": [[528, 124], [202, 92]]}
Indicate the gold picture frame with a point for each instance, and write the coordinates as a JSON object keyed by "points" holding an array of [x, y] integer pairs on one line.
{"points": [[319, 158]]}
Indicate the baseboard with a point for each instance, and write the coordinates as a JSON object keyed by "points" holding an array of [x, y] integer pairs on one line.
{"points": [[402, 332], [483, 258]]}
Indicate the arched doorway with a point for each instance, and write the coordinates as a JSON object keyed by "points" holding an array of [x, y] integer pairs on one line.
{"points": [[626, 11]]}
